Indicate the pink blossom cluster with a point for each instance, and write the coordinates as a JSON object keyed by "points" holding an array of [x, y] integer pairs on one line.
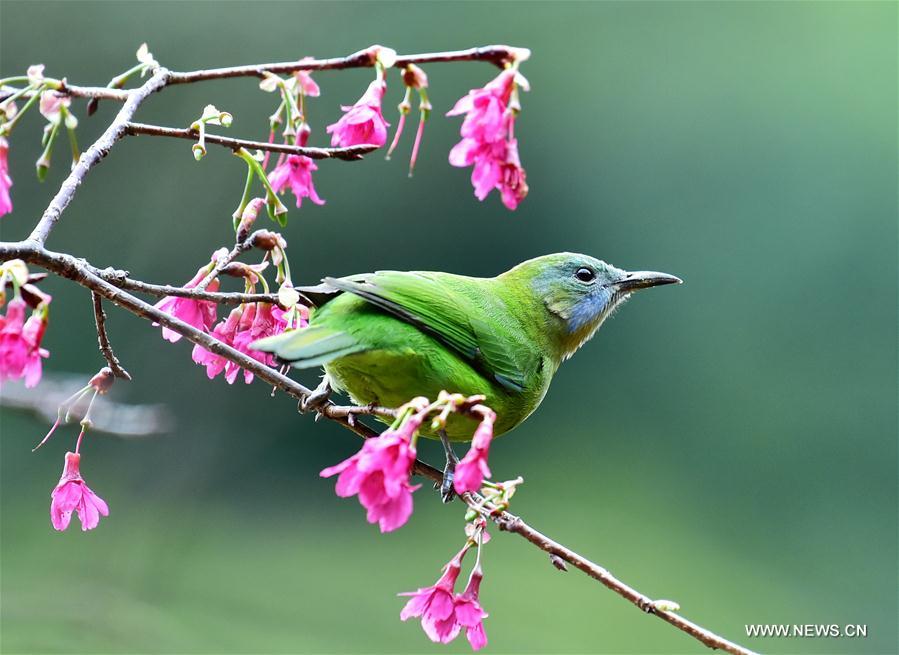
{"points": [[443, 612], [244, 325], [488, 141], [379, 475], [20, 342], [73, 495]]}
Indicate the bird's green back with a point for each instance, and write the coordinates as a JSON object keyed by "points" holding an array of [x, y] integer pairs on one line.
{"points": [[389, 336]]}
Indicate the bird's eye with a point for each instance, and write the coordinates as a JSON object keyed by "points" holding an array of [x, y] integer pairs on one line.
{"points": [[585, 275]]}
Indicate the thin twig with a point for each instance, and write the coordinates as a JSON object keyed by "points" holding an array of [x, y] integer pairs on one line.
{"points": [[103, 339], [495, 54], [120, 279], [352, 153], [218, 297], [75, 91]]}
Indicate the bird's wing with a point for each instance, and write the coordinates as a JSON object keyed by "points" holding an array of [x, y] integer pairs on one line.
{"points": [[423, 300], [309, 347]]}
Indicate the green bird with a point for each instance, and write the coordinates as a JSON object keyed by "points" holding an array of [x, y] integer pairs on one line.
{"points": [[389, 336]]}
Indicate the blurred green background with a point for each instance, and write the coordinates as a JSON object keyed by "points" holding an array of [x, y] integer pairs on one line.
{"points": [[730, 443]]}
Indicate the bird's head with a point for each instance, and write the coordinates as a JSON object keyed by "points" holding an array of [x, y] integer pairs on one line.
{"points": [[579, 292]]}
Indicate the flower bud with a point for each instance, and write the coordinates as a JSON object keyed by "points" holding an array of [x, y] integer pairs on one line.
{"points": [[385, 56], [288, 296], [43, 166], [199, 151], [35, 74], [145, 57], [303, 133], [266, 240], [9, 111], [17, 269], [103, 380], [415, 77], [270, 82], [666, 605], [248, 217]]}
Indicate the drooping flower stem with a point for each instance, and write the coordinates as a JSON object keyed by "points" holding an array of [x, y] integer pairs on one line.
{"points": [[404, 107], [424, 109], [276, 208], [245, 198], [73, 139]]}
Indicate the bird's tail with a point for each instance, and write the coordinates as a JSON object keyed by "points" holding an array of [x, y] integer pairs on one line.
{"points": [[309, 347]]}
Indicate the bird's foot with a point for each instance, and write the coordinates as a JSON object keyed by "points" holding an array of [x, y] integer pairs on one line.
{"points": [[318, 398], [449, 472]]}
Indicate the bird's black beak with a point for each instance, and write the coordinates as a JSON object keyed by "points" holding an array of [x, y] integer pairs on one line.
{"points": [[645, 279]]}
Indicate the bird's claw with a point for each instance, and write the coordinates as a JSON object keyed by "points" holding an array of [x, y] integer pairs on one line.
{"points": [[317, 399], [447, 494]]}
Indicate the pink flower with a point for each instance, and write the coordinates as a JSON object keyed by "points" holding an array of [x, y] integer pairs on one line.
{"points": [[225, 332], [472, 469], [72, 494], [363, 123], [485, 109], [264, 321], [488, 143], [305, 82], [20, 343], [199, 313], [487, 159], [296, 172], [244, 325], [379, 474], [436, 604], [5, 179], [468, 611]]}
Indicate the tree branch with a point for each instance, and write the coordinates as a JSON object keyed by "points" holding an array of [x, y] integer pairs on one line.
{"points": [[103, 339], [495, 54], [351, 153]]}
